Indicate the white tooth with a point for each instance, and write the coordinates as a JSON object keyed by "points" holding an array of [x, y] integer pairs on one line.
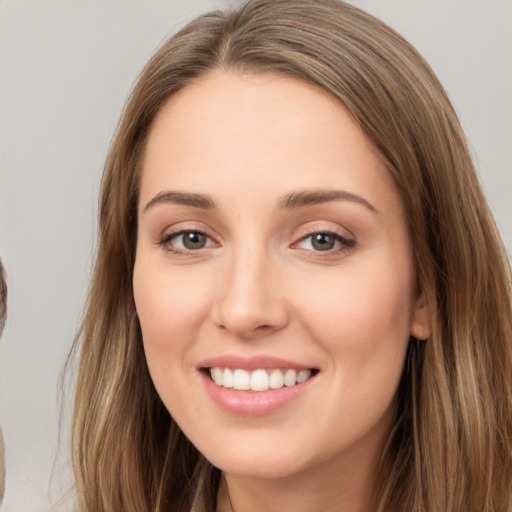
{"points": [[216, 374], [302, 376], [259, 380], [241, 380], [276, 380], [290, 378], [227, 378]]}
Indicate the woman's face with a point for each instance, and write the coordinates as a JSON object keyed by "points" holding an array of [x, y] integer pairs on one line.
{"points": [[273, 255]]}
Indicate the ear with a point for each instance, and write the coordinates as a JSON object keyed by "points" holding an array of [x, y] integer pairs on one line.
{"points": [[421, 323]]}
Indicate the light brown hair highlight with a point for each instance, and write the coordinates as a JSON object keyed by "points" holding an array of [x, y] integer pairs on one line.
{"points": [[451, 449]]}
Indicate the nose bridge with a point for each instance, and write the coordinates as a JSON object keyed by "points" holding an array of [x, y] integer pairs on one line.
{"points": [[250, 301]]}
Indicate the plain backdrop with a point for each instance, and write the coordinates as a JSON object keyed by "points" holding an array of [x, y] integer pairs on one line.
{"points": [[66, 67]]}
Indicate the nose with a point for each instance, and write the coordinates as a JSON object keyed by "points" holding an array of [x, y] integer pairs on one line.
{"points": [[251, 301]]}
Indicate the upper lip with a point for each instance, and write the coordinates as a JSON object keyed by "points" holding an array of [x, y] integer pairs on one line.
{"points": [[250, 363]]}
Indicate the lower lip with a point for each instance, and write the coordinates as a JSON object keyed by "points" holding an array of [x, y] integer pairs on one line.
{"points": [[250, 403]]}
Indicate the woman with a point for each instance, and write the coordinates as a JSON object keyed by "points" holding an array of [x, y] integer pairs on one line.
{"points": [[300, 300]]}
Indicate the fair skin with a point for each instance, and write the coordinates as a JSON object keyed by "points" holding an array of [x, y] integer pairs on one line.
{"points": [[272, 238]]}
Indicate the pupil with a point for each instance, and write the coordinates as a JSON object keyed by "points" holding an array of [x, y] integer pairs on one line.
{"points": [[194, 240], [323, 242]]}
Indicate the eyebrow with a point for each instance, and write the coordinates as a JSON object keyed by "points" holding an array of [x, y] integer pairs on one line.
{"points": [[292, 201], [201, 201], [304, 198]]}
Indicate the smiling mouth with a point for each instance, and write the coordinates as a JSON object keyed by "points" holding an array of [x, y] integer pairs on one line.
{"points": [[259, 379]]}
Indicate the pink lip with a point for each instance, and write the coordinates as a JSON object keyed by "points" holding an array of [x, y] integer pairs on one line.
{"points": [[250, 363], [247, 403]]}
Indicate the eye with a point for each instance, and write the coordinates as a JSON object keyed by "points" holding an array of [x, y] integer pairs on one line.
{"points": [[325, 241], [184, 241]]}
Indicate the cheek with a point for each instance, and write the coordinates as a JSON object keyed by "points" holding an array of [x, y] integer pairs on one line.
{"points": [[170, 307], [362, 318]]}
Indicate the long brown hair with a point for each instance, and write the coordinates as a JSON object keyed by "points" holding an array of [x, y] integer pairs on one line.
{"points": [[451, 448]]}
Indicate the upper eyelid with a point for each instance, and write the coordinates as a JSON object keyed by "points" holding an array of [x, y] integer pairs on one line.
{"points": [[166, 236], [184, 227], [175, 233], [348, 242], [325, 232], [312, 228]]}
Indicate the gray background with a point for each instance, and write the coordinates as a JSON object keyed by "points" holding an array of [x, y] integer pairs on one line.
{"points": [[66, 67]]}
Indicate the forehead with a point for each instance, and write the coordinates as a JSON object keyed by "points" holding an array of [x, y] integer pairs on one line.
{"points": [[257, 131], [230, 98]]}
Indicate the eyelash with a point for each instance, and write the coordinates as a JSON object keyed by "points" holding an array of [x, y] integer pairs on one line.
{"points": [[166, 239], [344, 244]]}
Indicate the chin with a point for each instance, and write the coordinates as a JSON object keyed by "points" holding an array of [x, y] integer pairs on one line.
{"points": [[259, 460]]}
